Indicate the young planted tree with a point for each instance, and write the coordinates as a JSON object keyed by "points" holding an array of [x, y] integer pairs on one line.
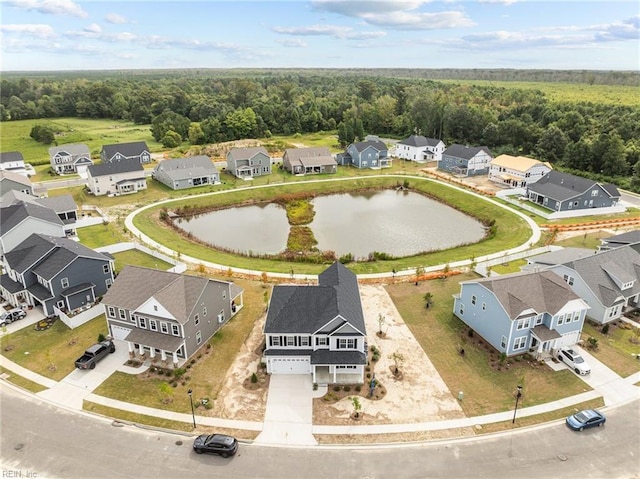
{"points": [[381, 320], [428, 299], [357, 406], [398, 359]]}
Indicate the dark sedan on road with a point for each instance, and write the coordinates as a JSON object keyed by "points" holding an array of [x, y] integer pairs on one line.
{"points": [[220, 444], [585, 419]]}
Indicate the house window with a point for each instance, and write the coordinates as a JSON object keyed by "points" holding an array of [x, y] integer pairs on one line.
{"points": [[346, 343], [153, 325], [204, 311], [221, 316], [291, 341], [484, 306], [576, 316], [503, 342], [539, 319], [322, 341], [122, 314], [155, 307], [106, 269], [142, 322], [304, 341], [196, 319], [561, 320], [473, 299], [111, 311], [64, 282], [568, 279], [274, 340], [60, 304], [198, 337], [522, 324], [164, 327], [175, 330], [461, 309], [594, 192], [108, 282], [520, 343]]}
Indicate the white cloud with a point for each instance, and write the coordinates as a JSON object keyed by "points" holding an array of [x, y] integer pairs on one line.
{"points": [[292, 43], [93, 28], [33, 30], [53, 7], [329, 31], [116, 19]]}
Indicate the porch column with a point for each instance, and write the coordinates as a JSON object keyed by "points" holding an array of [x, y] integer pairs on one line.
{"points": [[163, 355], [153, 353], [333, 373], [175, 358], [130, 347], [313, 374], [141, 349]]}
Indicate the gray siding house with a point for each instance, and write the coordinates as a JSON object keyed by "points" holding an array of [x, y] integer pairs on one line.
{"points": [[10, 181], [20, 219], [366, 154], [609, 281], [136, 151], [247, 163], [166, 316], [53, 273], [189, 172], [318, 330], [560, 191], [72, 158], [309, 161], [464, 160], [533, 312], [116, 178], [62, 205]]}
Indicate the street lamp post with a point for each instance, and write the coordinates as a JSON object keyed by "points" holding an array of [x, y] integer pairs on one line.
{"points": [[518, 396], [193, 412]]}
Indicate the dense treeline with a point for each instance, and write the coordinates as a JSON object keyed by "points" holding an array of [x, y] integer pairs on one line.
{"points": [[203, 107]]}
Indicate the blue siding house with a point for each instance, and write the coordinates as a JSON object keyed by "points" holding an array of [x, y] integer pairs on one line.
{"points": [[463, 160], [366, 154], [533, 312]]}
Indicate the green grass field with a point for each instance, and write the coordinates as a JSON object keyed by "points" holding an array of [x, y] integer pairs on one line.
{"points": [[93, 133]]}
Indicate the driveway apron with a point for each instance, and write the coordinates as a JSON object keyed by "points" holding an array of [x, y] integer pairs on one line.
{"points": [[289, 412]]}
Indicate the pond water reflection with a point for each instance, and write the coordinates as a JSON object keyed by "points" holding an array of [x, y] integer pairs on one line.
{"points": [[399, 223]]}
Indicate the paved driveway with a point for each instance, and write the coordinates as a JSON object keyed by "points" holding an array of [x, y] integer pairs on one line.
{"points": [[33, 316]]}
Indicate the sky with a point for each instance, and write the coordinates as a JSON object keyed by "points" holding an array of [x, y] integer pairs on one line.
{"points": [[40, 35]]}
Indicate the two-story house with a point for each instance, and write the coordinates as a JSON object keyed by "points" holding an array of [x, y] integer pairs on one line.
{"points": [[12, 161], [318, 330], [534, 312], [420, 149], [10, 181], [464, 160], [622, 239], [54, 272], [71, 158], [517, 171], [366, 154], [558, 191], [609, 281], [189, 172], [20, 219], [137, 151], [116, 178], [309, 161], [168, 316], [63, 205], [247, 163]]}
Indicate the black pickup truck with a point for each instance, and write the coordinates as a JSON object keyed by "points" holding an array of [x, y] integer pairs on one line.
{"points": [[94, 354]]}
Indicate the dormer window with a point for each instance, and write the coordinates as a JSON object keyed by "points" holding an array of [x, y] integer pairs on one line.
{"points": [[627, 285]]}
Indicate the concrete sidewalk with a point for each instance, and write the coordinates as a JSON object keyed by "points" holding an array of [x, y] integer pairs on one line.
{"points": [[288, 419]]}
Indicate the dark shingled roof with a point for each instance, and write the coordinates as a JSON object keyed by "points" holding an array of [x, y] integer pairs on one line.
{"points": [[246, 153], [464, 151], [135, 148], [562, 186], [305, 309], [542, 291], [14, 214], [363, 145], [418, 140], [630, 237], [115, 167], [11, 156], [295, 154]]}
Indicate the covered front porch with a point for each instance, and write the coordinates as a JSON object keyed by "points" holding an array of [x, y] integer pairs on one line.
{"points": [[156, 347], [329, 374]]}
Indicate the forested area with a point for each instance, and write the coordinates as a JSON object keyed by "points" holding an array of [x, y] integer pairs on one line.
{"points": [[600, 140]]}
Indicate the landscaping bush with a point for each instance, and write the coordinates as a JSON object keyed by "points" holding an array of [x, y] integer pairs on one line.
{"points": [[605, 329], [336, 388], [347, 388], [179, 372], [254, 378]]}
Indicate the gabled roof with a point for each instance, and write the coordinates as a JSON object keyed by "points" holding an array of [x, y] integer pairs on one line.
{"points": [[630, 237], [16, 177], [59, 204], [363, 145], [135, 148], [560, 256], [53, 253], [178, 293], [465, 151], [11, 156], [246, 153], [518, 163], [114, 168], [73, 149], [542, 291], [597, 270], [189, 167], [295, 154], [305, 309], [563, 186], [14, 214], [418, 141]]}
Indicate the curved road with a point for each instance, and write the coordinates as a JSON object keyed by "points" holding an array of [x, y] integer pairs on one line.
{"points": [[48, 442]]}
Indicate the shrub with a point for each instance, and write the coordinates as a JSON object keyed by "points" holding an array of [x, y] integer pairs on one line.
{"points": [[605, 329], [101, 337], [254, 378], [179, 372], [347, 388], [470, 333], [358, 388], [208, 405], [336, 388]]}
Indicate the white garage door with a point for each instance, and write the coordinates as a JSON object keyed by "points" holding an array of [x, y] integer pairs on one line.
{"points": [[568, 339], [82, 171], [118, 332], [290, 365]]}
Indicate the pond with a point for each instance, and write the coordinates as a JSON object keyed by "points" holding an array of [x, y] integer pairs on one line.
{"points": [[398, 223]]}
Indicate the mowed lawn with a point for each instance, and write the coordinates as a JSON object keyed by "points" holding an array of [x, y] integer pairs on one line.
{"points": [[485, 388], [139, 258]]}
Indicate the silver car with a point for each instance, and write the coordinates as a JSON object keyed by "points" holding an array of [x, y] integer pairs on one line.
{"points": [[12, 315], [573, 359]]}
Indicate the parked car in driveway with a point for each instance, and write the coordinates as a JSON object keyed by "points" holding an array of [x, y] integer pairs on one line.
{"points": [[585, 419], [220, 444], [12, 315], [573, 359]]}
